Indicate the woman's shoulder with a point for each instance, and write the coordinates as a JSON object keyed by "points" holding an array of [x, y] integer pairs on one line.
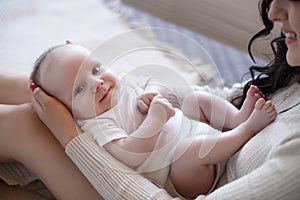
{"points": [[287, 98]]}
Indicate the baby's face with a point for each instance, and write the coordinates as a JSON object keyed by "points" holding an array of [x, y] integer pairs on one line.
{"points": [[79, 81]]}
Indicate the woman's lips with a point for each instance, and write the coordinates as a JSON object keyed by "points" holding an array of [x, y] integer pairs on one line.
{"points": [[289, 40], [290, 36]]}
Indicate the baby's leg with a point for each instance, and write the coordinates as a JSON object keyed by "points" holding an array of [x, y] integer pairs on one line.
{"points": [[213, 110], [208, 108], [24, 138], [189, 174], [197, 155]]}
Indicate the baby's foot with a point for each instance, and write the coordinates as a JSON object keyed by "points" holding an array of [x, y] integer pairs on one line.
{"points": [[263, 114], [253, 94]]}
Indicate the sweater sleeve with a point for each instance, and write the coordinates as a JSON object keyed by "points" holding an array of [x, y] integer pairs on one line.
{"points": [[111, 178], [277, 178]]}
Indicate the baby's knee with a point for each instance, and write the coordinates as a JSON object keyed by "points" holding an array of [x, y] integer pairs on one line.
{"points": [[197, 97], [189, 107], [188, 101], [189, 97]]}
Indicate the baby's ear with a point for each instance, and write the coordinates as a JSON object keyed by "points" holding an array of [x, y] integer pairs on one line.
{"points": [[68, 42]]}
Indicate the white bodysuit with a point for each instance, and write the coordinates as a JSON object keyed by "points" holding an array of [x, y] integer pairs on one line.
{"points": [[124, 118]]}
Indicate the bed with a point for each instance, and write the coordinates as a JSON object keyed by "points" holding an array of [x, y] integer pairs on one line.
{"points": [[28, 27]]}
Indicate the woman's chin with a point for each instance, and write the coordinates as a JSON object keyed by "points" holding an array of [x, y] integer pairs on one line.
{"points": [[293, 60]]}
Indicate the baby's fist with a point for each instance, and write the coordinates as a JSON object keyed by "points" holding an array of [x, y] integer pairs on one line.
{"points": [[161, 108], [144, 100]]}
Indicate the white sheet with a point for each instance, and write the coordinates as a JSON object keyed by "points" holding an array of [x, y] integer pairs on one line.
{"points": [[28, 27]]}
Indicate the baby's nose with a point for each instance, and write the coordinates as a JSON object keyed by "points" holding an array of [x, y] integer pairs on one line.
{"points": [[99, 84]]}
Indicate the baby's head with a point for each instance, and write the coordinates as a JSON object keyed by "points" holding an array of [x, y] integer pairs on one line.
{"points": [[79, 81]]}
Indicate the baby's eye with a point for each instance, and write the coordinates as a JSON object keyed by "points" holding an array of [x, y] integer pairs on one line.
{"points": [[95, 70], [78, 89]]}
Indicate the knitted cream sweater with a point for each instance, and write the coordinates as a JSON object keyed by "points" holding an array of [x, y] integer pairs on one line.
{"points": [[267, 167]]}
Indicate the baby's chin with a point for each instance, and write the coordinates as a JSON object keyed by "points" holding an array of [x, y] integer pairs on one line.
{"points": [[83, 116]]}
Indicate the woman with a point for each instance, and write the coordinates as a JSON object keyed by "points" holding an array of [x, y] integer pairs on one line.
{"points": [[265, 168]]}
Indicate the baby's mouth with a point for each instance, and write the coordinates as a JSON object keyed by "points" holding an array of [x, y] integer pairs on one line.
{"points": [[105, 95]]}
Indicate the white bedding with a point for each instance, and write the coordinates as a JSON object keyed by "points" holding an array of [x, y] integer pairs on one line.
{"points": [[28, 27]]}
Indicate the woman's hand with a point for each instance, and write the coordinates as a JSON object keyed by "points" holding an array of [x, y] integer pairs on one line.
{"points": [[55, 116]]}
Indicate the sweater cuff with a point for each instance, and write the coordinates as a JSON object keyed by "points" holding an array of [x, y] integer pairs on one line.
{"points": [[111, 178]]}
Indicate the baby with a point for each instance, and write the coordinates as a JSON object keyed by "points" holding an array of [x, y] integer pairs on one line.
{"points": [[171, 147]]}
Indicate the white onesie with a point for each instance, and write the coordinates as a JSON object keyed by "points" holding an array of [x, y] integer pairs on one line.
{"points": [[124, 118]]}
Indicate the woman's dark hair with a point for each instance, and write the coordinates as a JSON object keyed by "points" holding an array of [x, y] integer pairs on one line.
{"points": [[277, 73]]}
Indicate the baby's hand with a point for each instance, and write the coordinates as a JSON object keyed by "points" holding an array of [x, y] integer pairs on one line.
{"points": [[144, 101], [162, 108]]}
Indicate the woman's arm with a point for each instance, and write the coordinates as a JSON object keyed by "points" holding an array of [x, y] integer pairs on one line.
{"points": [[17, 94], [55, 115], [111, 178]]}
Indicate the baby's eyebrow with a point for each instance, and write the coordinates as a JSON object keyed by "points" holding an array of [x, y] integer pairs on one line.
{"points": [[97, 62], [93, 64]]}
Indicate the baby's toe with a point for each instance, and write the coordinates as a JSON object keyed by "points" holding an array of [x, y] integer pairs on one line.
{"points": [[260, 103], [271, 108], [268, 105], [252, 90]]}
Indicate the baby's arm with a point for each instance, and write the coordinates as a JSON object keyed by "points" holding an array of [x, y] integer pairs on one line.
{"points": [[136, 147]]}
